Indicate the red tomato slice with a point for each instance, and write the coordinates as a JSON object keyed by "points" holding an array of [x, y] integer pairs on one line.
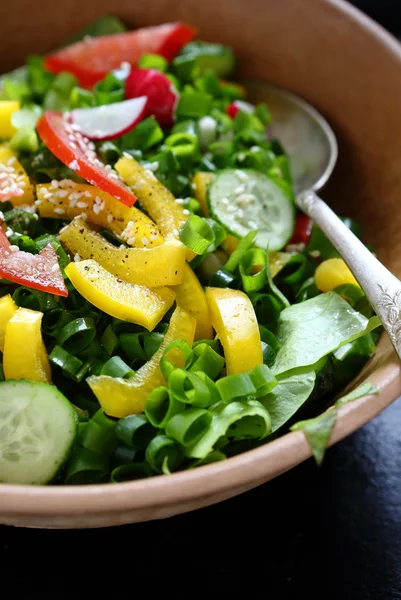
{"points": [[303, 228], [38, 271], [91, 59], [77, 152]]}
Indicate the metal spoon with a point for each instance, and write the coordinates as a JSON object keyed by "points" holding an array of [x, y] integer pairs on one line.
{"points": [[312, 148]]}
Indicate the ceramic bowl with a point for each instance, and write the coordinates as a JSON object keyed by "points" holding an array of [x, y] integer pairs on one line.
{"points": [[350, 69]]}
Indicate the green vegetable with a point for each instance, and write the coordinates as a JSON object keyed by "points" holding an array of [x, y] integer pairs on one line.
{"points": [[246, 200], [319, 429], [216, 57], [314, 328], [38, 428]]}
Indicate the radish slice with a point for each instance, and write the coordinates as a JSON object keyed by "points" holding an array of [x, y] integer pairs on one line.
{"points": [[161, 93], [111, 120], [239, 105]]}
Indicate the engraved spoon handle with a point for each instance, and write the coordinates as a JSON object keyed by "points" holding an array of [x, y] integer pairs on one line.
{"points": [[381, 287]]}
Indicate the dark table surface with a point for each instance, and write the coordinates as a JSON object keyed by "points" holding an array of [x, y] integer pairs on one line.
{"points": [[328, 532]]}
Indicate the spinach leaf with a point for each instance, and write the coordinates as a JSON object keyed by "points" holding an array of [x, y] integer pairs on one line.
{"points": [[315, 328]]}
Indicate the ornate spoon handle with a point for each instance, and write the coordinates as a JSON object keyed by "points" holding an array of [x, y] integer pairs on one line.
{"points": [[381, 287]]}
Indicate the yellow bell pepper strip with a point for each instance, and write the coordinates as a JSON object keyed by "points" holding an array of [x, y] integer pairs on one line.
{"points": [[25, 354], [122, 397], [7, 310], [236, 325], [151, 267], [69, 200], [7, 108], [200, 183], [158, 202], [15, 185], [191, 297], [133, 303], [277, 261], [331, 273]]}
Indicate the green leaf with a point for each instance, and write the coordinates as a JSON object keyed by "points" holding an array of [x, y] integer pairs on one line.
{"points": [[249, 416], [313, 329], [365, 389], [318, 431], [287, 397]]}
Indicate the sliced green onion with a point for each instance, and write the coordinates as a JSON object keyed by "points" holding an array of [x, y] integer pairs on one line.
{"points": [[177, 346], [270, 345], [267, 309], [81, 98], [263, 380], [123, 455], [99, 435], [135, 431], [77, 335], [145, 135], [196, 234], [24, 139], [206, 360], [63, 359], [86, 466], [242, 247], [160, 406], [193, 105], [237, 386], [252, 268], [189, 426], [307, 290], [223, 279], [153, 61], [130, 472], [350, 292], [109, 152], [109, 340], [222, 152], [161, 448], [189, 388], [151, 342], [34, 299], [131, 344], [116, 367]]}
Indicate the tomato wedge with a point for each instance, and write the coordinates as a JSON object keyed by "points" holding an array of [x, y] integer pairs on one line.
{"points": [[91, 59], [38, 271], [76, 151], [303, 228]]}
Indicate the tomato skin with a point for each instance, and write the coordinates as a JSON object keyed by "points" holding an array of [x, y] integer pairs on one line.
{"points": [[57, 135], [32, 270], [91, 59], [303, 228], [160, 92]]}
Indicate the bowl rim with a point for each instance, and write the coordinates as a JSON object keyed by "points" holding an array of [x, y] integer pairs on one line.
{"points": [[246, 469]]}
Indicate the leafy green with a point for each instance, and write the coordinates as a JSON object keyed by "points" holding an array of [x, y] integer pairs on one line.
{"points": [[288, 396], [315, 328], [319, 429]]}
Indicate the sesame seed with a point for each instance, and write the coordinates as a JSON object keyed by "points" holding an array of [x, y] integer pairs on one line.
{"points": [[73, 145], [62, 193], [9, 232], [130, 241], [54, 183], [38, 202], [11, 161], [122, 246], [225, 201], [315, 253], [252, 225], [145, 241], [82, 205], [1, 216], [239, 189], [180, 200], [73, 165], [63, 229], [185, 211], [59, 211], [54, 268], [154, 166], [109, 218], [87, 194], [150, 174], [175, 231], [77, 258], [153, 238], [13, 248], [84, 216]]}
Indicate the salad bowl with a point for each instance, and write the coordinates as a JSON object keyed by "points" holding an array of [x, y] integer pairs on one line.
{"points": [[348, 68]]}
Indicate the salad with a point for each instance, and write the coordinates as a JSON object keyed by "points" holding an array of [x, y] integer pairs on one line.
{"points": [[162, 303]]}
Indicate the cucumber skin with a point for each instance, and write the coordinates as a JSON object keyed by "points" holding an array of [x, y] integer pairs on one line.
{"points": [[285, 187]]}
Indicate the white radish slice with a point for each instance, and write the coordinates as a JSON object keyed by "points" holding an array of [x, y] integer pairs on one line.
{"points": [[111, 120]]}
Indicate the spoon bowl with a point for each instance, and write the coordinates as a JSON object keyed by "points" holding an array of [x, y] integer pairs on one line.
{"points": [[304, 133]]}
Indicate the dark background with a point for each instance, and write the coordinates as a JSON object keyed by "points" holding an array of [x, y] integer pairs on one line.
{"points": [[329, 532]]}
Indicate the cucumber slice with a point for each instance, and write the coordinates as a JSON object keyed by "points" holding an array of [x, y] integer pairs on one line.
{"points": [[245, 200], [37, 429]]}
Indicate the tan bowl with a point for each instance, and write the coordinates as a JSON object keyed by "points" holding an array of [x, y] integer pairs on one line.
{"points": [[350, 69]]}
